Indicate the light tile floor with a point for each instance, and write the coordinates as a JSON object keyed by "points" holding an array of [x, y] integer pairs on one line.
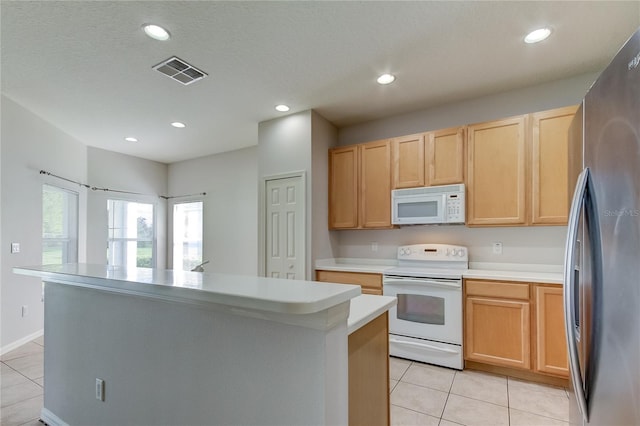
{"points": [[421, 394], [21, 382]]}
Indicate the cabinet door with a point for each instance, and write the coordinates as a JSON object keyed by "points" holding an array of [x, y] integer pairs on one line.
{"points": [[496, 172], [445, 155], [497, 332], [551, 344], [375, 184], [549, 174], [343, 187], [408, 161]]}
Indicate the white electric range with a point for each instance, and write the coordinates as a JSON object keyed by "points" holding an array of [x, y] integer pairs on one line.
{"points": [[426, 324]]}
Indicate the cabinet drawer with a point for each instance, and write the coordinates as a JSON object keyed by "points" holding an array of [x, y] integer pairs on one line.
{"points": [[365, 280], [503, 290]]}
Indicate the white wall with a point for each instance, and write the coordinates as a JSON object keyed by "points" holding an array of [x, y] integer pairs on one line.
{"points": [[30, 144], [323, 136], [284, 146], [230, 207], [540, 245], [107, 169]]}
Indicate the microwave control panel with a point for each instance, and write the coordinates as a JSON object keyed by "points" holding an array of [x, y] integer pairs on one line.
{"points": [[455, 208]]}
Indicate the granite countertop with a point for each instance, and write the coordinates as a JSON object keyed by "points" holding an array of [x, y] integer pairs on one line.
{"points": [[522, 272], [237, 291]]}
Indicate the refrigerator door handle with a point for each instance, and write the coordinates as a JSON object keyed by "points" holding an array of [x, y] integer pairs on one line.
{"points": [[570, 287]]}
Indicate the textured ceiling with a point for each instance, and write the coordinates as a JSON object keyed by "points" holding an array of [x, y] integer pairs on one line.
{"points": [[85, 66]]}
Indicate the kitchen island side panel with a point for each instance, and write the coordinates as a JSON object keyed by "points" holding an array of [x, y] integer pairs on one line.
{"points": [[177, 363]]}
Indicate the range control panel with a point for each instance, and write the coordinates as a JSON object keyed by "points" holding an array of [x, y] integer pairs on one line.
{"points": [[433, 252]]}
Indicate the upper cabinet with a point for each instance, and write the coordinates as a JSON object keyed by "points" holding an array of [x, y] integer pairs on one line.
{"points": [[518, 170], [360, 186], [408, 161], [375, 184], [515, 170], [496, 172], [343, 187], [432, 158], [549, 165], [445, 156]]}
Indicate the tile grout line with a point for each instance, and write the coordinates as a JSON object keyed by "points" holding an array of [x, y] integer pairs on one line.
{"points": [[20, 373]]}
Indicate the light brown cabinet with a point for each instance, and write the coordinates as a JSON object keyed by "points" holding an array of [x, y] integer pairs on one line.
{"points": [[551, 347], [370, 283], [518, 170], [497, 327], [515, 325], [428, 159], [375, 185], [360, 186], [496, 179], [445, 156], [550, 165], [369, 374], [343, 187], [408, 161]]}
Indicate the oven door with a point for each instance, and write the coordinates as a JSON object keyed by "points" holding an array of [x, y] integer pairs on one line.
{"points": [[427, 308]]}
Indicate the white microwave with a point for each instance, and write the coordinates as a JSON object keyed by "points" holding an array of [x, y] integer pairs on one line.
{"points": [[428, 205]]}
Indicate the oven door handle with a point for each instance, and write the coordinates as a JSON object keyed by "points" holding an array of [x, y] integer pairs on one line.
{"points": [[423, 345], [422, 282]]}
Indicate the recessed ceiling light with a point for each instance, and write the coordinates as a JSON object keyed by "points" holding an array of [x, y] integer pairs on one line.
{"points": [[537, 35], [156, 32], [130, 139], [282, 108], [386, 79], [178, 124]]}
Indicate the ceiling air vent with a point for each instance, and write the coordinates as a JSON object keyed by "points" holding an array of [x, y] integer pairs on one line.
{"points": [[180, 71]]}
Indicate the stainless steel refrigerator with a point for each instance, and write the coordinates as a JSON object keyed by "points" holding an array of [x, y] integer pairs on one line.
{"points": [[602, 264]]}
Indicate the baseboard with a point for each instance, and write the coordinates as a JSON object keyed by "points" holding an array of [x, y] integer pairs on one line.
{"points": [[51, 419], [18, 343]]}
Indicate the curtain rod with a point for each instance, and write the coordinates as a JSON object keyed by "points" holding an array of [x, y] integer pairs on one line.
{"points": [[95, 188]]}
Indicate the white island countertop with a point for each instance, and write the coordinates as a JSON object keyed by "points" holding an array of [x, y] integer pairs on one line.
{"points": [[274, 295], [365, 308]]}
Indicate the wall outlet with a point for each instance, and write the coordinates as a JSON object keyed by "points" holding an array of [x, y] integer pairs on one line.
{"points": [[374, 246], [15, 247], [497, 248], [25, 310], [100, 389]]}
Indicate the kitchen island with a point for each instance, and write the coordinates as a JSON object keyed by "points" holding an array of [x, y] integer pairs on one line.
{"points": [[149, 346]]}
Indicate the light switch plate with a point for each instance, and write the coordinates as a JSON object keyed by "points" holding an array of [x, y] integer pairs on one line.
{"points": [[15, 247]]}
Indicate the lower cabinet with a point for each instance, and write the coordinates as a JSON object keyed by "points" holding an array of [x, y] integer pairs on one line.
{"points": [[369, 374], [370, 283], [551, 347], [497, 324], [515, 325]]}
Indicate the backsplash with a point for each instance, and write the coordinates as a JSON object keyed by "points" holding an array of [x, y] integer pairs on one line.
{"points": [[533, 245]]}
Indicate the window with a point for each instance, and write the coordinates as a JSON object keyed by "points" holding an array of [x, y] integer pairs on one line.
{"points": [[131, 234], [59, 225], [187, 235]]}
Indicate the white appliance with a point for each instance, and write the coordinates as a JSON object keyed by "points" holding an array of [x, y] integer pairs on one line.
{"points": [[429, 205], [426, 324]]}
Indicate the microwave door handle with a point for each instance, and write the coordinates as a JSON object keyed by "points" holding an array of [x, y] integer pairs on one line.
{"points": [[570, 289]]}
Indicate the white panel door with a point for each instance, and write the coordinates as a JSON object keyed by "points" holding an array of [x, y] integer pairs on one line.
{"points": [[285, 228]]}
